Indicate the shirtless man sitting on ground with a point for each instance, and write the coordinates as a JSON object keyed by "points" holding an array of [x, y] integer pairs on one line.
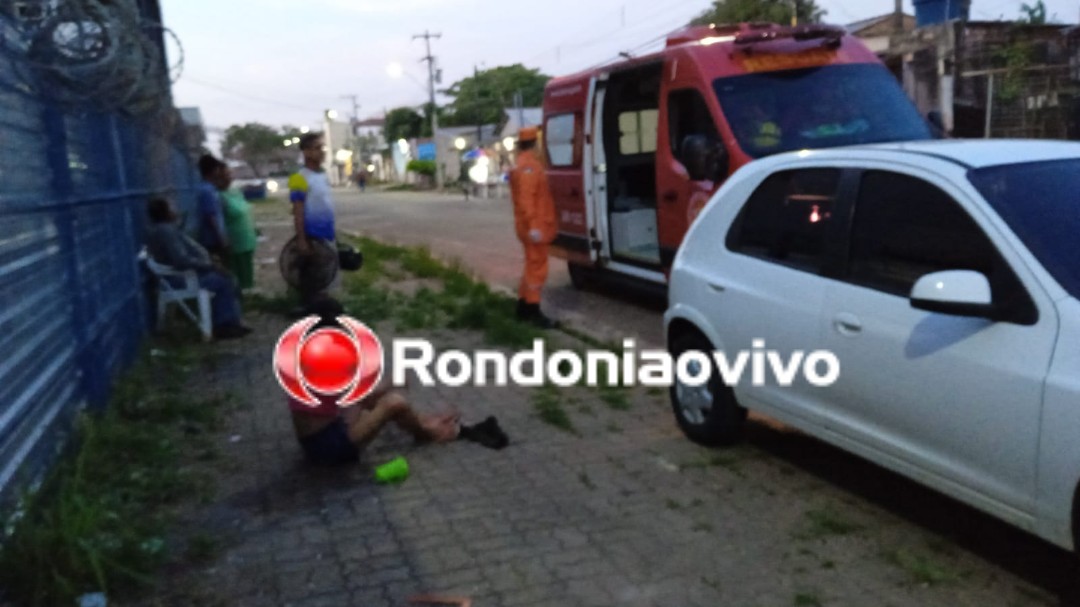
{"points": [[332, 435]]}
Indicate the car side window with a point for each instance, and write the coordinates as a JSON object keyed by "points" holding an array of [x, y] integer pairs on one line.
{"points": [[788, 218], [905, 228]]}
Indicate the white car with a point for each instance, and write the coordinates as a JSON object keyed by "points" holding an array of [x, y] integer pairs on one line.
{"points": [[945, 278]]}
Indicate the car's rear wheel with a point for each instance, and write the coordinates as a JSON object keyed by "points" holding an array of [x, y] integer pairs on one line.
{"points": [[707, 414]]}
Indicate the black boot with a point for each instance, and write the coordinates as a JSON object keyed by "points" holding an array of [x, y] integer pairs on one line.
{"points": [[540, 320], [524, 311]]}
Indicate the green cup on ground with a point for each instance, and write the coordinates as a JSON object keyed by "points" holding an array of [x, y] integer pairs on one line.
{"points": [[393, 471]]}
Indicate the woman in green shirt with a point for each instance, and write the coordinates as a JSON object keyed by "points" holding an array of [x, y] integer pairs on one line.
{"points": [[240, 229]]}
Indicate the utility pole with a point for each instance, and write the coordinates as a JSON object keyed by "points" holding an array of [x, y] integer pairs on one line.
{"points": [[427, 36], [479, 122], [352, 128]]}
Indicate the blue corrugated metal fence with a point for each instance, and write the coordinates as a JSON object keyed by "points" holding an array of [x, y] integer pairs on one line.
{"points": [[73, 192]]}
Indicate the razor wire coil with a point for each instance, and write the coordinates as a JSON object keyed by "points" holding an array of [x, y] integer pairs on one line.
{"points": [[98, 54]]}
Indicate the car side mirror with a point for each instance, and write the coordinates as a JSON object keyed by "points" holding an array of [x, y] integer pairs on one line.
{"points": [[705, 158], [955, 292]]}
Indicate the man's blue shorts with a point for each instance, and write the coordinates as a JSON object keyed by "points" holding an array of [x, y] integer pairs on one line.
{"points": [[331, 445]]}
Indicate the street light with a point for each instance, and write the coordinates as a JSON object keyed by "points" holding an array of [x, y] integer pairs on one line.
{"points": [[288, 142], [296, 140], [508, 143], [459, 143], [396, 71], [304, 129], [331, 114]]}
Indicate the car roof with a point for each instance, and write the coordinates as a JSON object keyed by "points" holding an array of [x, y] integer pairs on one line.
{"points": [[970, 153]]}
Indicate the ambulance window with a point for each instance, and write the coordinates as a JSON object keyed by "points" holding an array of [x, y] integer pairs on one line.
{"points": [[688, 115], [788, 218], [560, 139], [637, 132]]}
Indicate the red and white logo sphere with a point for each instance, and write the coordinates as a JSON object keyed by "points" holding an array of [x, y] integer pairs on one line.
{"points": [[343, 362]]}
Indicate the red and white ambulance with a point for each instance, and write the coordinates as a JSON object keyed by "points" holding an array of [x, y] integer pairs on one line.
{"points": [[636, 148]]}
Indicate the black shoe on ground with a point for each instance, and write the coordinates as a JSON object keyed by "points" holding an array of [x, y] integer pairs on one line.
{"points": [[524, 311], [487, 433], [538, 318]]}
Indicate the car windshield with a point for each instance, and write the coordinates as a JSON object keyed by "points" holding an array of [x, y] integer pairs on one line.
{"points": [[818, 107], [1041, 203]]}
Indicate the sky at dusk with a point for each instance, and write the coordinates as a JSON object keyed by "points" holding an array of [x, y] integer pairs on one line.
{"points": [[286, 61]]}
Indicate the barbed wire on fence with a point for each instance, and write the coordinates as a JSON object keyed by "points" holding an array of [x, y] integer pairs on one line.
{"points": [[92, 54]]}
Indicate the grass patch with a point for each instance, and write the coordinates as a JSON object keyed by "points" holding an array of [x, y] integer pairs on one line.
{"points": [[99, 521], [826, 523], [419, 262], [616, 398], [807, 599], [459, 302], [921, 569], [713, 460], [548, 406]]}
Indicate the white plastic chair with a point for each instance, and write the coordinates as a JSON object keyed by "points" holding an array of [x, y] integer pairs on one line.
{"points": [[169, 293]]}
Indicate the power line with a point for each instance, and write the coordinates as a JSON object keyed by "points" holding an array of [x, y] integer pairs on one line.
{"points": [[250, 96], [593, 40], [635, 49]]}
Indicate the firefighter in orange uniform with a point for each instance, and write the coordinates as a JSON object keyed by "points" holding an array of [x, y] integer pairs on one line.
{"points": [[534, 220]]}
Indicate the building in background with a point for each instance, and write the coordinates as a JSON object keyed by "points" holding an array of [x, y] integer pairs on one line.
{"points": [[340, 142], [983, 78], [371, 148]]}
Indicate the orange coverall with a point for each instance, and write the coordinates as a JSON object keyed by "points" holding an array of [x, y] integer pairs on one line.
{"points": [[534, 209]]}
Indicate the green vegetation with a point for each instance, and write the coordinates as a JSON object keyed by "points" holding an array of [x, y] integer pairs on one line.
{"points": [[921, 569], [826, 523], [548, 406], [806, 599], [99, 521]]}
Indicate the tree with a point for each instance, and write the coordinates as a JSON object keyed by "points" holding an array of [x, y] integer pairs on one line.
{"points": [[254, 143], [773, 11], [482, 97], [405, 123], [1034, 14]]}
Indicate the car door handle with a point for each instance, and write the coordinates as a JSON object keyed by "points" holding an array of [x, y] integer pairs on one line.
{"points": [[847, 324], [671, 196], [719, 288]]}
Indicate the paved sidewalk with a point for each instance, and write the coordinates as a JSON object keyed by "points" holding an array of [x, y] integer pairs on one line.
{"points": [[625, 512]]}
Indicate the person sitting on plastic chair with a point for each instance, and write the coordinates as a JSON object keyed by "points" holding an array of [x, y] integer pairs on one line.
{"points": [[168, 245]]}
